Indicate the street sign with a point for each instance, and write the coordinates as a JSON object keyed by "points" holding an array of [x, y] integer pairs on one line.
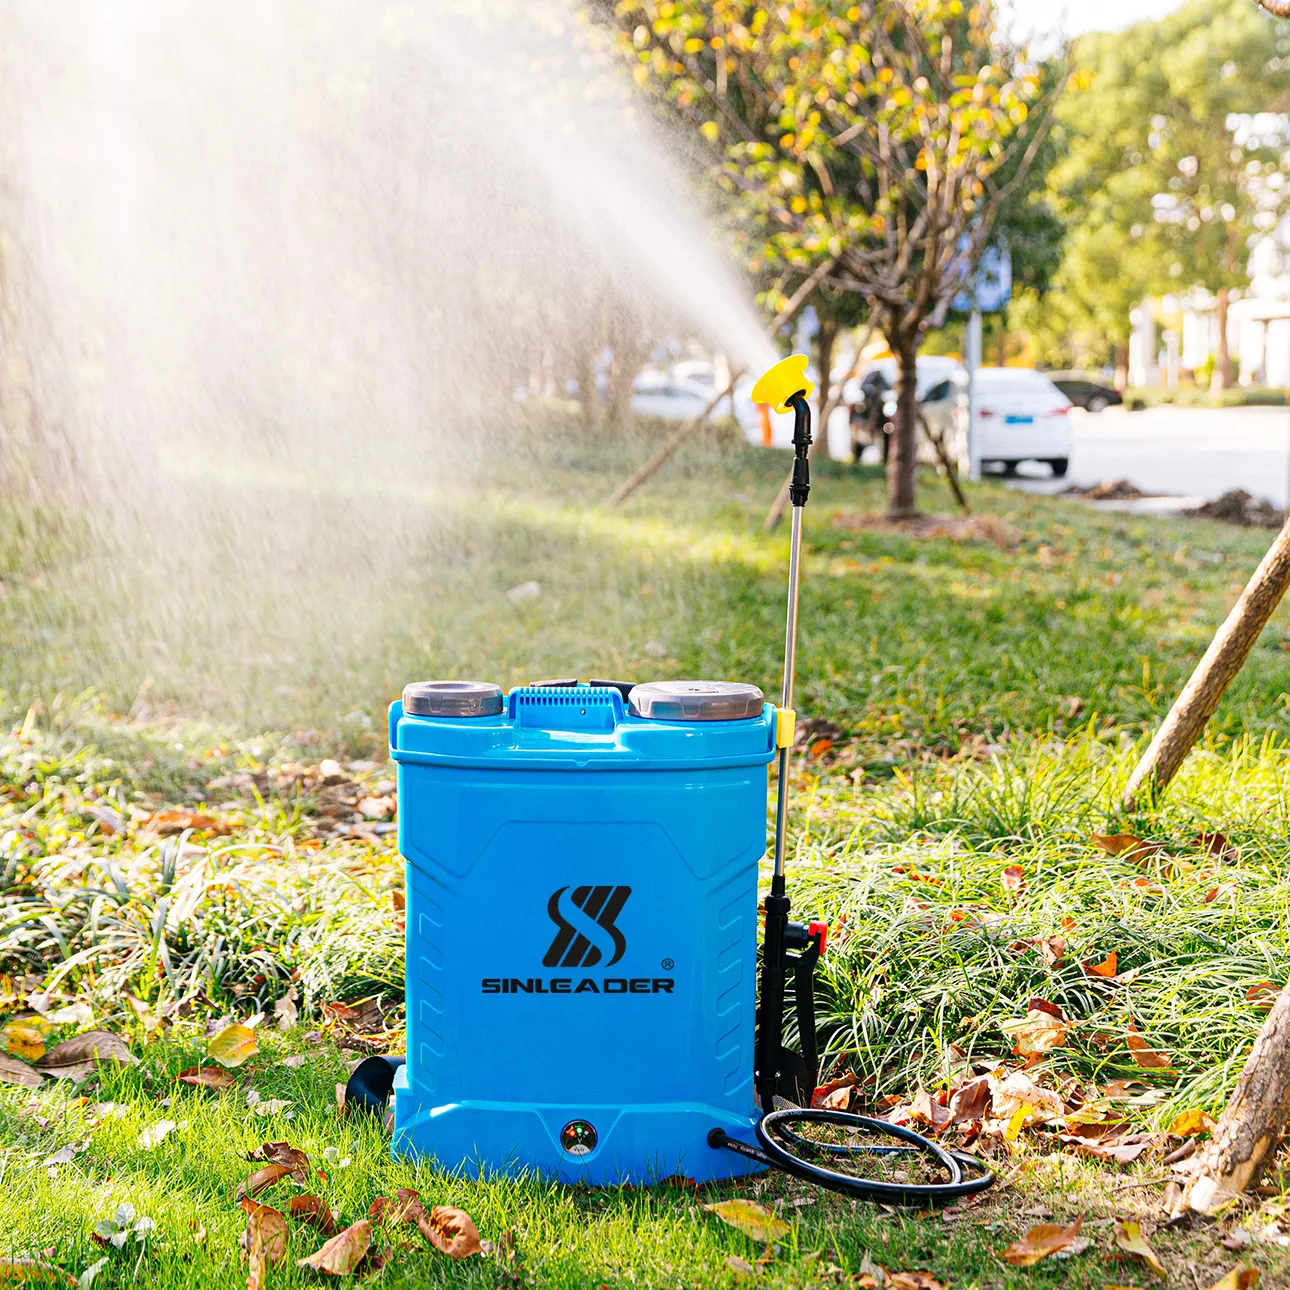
{"points": [[991, 287]]}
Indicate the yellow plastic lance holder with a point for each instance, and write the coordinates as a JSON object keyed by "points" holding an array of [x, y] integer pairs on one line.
{"points": [[786, 387]]}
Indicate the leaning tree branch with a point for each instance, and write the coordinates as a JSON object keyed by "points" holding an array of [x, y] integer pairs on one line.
{"points": [[1223, 659]]}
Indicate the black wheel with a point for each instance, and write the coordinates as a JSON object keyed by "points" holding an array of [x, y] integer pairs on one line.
{"points": [[1097, 403], [865, 1157], [1010, 467], [1059, 465]]}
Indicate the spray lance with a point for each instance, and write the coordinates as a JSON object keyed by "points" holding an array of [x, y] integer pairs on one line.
{"points": [[832, 1148]]}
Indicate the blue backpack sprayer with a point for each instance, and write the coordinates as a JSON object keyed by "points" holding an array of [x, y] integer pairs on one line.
{"points": [[582, 934]]}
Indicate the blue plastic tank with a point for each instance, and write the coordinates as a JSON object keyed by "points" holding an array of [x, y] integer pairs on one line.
{"points": [[581, 926]]}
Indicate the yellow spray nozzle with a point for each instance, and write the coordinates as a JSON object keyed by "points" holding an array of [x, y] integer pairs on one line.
{"points": [[778, 384]]}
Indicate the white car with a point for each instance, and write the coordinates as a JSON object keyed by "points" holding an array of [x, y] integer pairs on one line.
{"points": [[1020, 416], [668, 396]]}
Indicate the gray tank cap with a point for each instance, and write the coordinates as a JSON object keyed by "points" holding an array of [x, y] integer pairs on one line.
{"points": [[452, 699], [696, 701]]}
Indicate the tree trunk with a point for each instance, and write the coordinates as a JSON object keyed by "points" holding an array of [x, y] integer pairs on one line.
{"points": [[824, 341], [903, 461], [628, 353], [1249, 1130], [1121, 367], [1222, 378], [1222, 661], [587, 382]]}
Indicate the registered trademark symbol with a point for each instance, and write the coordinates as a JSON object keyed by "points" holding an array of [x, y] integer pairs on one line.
{"points": [[668, 965]]}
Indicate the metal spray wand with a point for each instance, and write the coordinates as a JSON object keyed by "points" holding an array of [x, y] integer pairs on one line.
{"points": [[784, 386]]}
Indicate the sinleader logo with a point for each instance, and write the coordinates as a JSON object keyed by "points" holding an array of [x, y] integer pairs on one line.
{"points": [[585, 920]]}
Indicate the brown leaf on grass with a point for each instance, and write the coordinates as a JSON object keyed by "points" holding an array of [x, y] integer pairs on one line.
{"points": [[1238, 1279], [167, 823], [1104, 969], [16, 1072], [1038, 1032], [913, 1281], [1147, 1057], [314, 1210], [1191, 1123], [1039, 1243], [206, 1077], [750, 1218], [25, 1038], [283, 1153], [1217, 844], [144, 1014], [233, 1045], [836, 1094], [1127, 845], [75, 1059], [1129, 1238], [1013, 878], [1120, 1149], [267, 1227], [343, 1253], [34, 1270], [1124, 1090], [970, 1101], [1263, 994], [261, 1180], [926, 1109], [740, 1267], [406, 1208], [1017, 1091], [449, 1230]]}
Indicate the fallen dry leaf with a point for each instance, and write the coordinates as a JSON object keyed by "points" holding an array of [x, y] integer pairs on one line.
{"points": [[1013, 878], [314, 1210], [1105, 968], [167, 823], [836, 1094], [26, 1038], [913, 1281], [1039, 1243], [1038, 1032], [75, 1059], [144, 1014], [407, 1208], [449, 1230], [16, 1072], [970, 1101], [268, 1226], [1192, 1122], [261, 1180], [1121, 1149], [1147, 1057], [233, 1045], [206, 1077], [156, 1134], [751, 1219], [1238, 1279], [33, 1270], [283, 1153], [1129, 1238], [1124, 844], [740, 1267], [343, 1253], [1263, 994], [1016, 1091]]}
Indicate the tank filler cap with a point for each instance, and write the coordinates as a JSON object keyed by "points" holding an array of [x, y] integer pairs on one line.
{"points": [[696, 701], [452, 699]]}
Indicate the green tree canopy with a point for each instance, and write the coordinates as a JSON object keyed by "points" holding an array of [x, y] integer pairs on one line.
{"points": [[1169, 172], [879, 139]]}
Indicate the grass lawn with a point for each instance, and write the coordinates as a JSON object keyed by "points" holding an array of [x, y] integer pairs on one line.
{"points": [[975, 706]]}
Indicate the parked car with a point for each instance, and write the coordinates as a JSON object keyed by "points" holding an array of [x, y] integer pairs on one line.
{"points": [[1085, 390], [1021, 416], [666, 395], [872, 396]]}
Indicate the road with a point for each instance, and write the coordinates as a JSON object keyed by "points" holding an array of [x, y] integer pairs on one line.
{"points": [[1193, 452]]}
